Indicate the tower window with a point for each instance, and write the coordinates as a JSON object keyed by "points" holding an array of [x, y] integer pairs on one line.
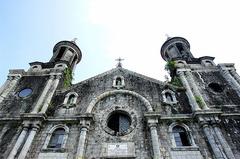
{"points": [[119, 122], [61, 52], [57, 137], [180, 136], [180, 47], [216, 87]]}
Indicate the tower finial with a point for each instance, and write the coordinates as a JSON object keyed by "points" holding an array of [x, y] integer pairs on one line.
{"points": [[119, 62], [168, 37], [74, 40]]}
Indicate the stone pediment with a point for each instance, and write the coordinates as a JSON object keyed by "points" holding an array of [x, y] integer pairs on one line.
{"points": [[126, 72]]}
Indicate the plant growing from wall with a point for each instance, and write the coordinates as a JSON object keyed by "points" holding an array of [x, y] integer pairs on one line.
{"points": [[170, 66], [68, 77], [176, 81], [199, 101]]}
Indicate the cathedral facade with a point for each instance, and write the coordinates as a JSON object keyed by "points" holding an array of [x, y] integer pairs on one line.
{"points": [[120, 113]]}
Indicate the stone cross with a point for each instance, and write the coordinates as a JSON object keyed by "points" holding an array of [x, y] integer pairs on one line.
{"points": [[119, 62]]}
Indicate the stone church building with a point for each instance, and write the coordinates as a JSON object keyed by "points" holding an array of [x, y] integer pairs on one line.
{"points": [[120, 113]]}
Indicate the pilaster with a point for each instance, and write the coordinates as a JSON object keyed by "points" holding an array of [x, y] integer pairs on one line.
{"points": [[35, 127], [43, 95], [195, 90], [3, 131], [217, 142], [189, 92], [9, 85], [50, 94], [235, 75], [235, 85], [223, 141], [84, 127], [152, 124], [19, 142]]}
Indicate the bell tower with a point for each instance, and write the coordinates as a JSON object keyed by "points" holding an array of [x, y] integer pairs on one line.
{"points": [[66, 52], [211, 90], [176, 48]]}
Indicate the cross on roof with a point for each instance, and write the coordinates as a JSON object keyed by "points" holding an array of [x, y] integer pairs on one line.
{"points": [[119, 62], [168, 37], [74, 40]]}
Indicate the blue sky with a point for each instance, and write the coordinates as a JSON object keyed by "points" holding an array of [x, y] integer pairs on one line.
{"points": [[108, 29]]}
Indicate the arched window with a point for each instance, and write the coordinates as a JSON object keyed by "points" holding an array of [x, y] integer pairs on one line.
{"points": [[208, 63], [180, 136], [169, 97], [70, 99], [57, 138], [118, 82]]}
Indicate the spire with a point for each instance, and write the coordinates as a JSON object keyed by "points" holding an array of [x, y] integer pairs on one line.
{"points": [[74, 40], [119, 64], [168, 37]]}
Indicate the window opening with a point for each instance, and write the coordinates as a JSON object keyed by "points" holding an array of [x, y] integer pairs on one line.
{"points": [[180, 47], [71, 99], [118, 81], [60, 53], [180, 136], [25, 92], [216, 87], [208, 63], [169, 97], [119, 122], [56, 140]]}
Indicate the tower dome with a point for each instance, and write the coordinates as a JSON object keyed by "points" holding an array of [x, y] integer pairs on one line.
{"points": [[67, 51], [176, 48]]}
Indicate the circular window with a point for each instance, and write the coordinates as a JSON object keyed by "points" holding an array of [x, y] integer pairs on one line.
{"points": [[119, 122], [216, 87], [25, 92]]}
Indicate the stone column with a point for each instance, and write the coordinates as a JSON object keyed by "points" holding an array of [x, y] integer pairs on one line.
{"points": [[19, 142], [9, 87], [223, 142], [208, 133], [235, 75], [28, 142], [152, 123], [42, 97], [235, 85], [189, 92], [84, 126], [74, 66], [49, 96], [195, 90], [81, 143]]}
